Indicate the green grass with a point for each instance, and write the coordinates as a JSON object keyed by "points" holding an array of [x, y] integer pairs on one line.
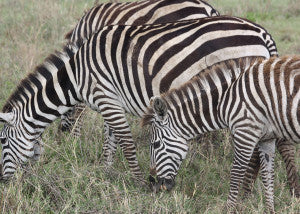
{"points": [[69, 178]]}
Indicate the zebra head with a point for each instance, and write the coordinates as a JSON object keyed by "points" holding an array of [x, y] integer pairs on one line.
{"points": [[16, 147], [167, 147]]}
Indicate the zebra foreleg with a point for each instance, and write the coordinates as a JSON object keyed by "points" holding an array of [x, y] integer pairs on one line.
{"points": [[38, 149], [118, 131], [251, 173], [109, 146], [129, 151], [242, 156], [72, 120], [287, 151], [79, 115], [266, 155]]}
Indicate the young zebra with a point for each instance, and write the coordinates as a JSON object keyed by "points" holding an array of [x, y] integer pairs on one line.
{"points": [[118, 70], [128, 13], [257, 100]]}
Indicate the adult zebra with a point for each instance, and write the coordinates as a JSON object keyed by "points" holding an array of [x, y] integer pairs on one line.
{"points": [[257, 100], [154, 11], [128, 13], [118, 70]]}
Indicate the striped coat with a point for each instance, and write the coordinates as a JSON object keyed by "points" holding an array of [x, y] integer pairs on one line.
{"points": [[257, 100], [128, 13], [158, 11], [118, 70]]}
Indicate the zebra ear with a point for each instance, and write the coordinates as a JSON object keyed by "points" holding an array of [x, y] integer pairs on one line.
{"points": [[160, 107], [7, 117]]}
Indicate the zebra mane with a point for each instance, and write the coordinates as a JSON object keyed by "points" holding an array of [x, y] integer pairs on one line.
{"points": [[200, 81], [79, 42], [53, 63]]}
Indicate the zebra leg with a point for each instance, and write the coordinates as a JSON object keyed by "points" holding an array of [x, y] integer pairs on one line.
{"points": [[72, 120], [79, 113], [244, 145], [114, 117], [251, 173], [67, 121], [287, 151], [267, 155], [38, 149], [109, 146]]}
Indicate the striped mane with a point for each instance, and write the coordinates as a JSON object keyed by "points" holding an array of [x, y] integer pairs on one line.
{"points": [[200, 81], [55, 60]]}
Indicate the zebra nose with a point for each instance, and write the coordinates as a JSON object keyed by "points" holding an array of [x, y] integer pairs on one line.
{"points": [[167, 184], [163, 184]]}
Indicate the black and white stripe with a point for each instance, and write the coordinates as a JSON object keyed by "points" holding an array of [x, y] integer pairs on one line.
{"points": [[120, 68], [128, 13], [138, 13], [257, 100], [142, 12]]}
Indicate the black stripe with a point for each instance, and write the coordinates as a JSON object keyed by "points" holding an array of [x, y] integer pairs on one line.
{"points": [[204, 50]]}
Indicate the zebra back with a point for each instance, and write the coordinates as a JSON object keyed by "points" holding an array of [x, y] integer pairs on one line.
{"points": [[137, 13], [148, 60], [129, 13]]}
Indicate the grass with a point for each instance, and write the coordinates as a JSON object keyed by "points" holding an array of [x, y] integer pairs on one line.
{"points": [[69, 178]]}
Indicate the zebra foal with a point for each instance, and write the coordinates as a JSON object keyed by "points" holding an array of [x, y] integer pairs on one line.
{"points": [[118, 70], [258, 100]]}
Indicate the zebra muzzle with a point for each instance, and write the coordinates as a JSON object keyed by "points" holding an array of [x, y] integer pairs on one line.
{"points": [[161, 184]]}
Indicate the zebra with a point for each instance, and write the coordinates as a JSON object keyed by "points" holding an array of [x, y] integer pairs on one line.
{"points": [[142, 12], [118, 70], [257, 99], [128, 13]]}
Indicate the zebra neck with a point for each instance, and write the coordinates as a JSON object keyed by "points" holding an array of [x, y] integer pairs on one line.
{"points": [[45, 94], [196, 105]]}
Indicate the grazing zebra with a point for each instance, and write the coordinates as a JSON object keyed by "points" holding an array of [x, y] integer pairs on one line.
{"points": [[257, 100], [118, 70], [128, 13], [152, 11]]}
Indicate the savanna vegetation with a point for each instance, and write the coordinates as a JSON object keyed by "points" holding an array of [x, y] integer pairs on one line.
{"points": [[69, 178]]}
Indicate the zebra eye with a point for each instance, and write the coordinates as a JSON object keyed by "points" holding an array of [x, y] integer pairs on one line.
{"points": [[156, 144]]}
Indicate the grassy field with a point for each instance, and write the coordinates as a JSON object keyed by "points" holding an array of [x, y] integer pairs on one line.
{"points": [[69, 178]]}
